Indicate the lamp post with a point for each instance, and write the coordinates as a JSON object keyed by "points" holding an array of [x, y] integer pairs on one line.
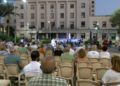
{"points": [[96, 28], [25, 14], [49, 27]]}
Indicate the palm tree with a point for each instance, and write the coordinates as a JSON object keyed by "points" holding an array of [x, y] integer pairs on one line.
{"points": [[7, 10]]}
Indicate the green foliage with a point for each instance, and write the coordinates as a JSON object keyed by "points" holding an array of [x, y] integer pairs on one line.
{"points": [[115, 19], [8, 38], [45, 41], [5, 37], [6, 9]]}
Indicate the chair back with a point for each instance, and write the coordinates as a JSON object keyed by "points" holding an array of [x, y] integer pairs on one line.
{"points": [[1, 68], [93, 60], [2, 59], [66, 71], [12, 69], [5, 83], [105, 62], [83, 64], [96, 65], [84, 72], [57, 61], [24, 62], [86, 83], [24, 56], [100, 72], [2, 72]]}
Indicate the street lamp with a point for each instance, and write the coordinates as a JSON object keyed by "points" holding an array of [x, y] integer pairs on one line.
{"points": [[49, 27], [96, 28], [24, 1], [5, 1]]}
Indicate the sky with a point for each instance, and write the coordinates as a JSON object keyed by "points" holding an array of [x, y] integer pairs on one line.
{"points": [[106, 7]]}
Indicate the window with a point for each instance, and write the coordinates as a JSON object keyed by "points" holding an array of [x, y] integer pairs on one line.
{"points": [[71, 5], [7, 21], [104, 35], [42, 6], [113, 36], [52, 6], [32, 23], [62, 25], [32, 7], [21, 16], [61, 15], [93, 6], [52, 15], [42, 16], [71, 15], [42, 25], [32, 15], [112, 25], [21, 6], [83, 24], [52, 24], [92, 10], [94, 23], [62, 6], [93, 2], [71, 25], [82, 5], [83, 15], [21, 24], [83, 35], [104, 24]]}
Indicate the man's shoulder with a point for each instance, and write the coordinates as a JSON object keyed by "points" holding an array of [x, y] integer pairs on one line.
{"points": [[54, 78]]}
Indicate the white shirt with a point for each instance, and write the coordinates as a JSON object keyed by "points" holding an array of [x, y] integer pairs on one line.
{"points": [[34, 47], [93, 54], [104, 54], [111, 76], [71, 51], [33, 68]]}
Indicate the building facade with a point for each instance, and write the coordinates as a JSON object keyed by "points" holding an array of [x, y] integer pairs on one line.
{"points": [[58, 18]]}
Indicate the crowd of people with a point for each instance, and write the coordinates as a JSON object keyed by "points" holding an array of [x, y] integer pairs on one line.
{"points": [[42, 63]]}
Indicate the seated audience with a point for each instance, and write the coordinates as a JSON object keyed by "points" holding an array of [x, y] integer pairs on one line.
{"points": [[81, 56], [113, 74], [93, 53], [58, 51], [33, 46], [33, 68], [22, 49], [71, 49], [66, 56], [3, 50], [104, 53], [47, 79], [12, 58], [42, 50]]}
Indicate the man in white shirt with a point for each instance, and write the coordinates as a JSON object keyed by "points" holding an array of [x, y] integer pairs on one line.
{"points": [[104, 53], [93, 53], [33, 68], [34, 46]]}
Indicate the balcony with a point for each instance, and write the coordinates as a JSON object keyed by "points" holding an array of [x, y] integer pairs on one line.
{"points": [[56, 30]]}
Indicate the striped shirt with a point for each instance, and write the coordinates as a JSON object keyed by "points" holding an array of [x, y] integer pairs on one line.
{"points": [[47, 80]]}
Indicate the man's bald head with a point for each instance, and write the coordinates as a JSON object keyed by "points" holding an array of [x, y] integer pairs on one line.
{"points": [[48, 65]]}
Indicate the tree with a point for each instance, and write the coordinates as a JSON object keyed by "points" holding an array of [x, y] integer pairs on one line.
{"points": [[6, 9], [115, 19]]}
